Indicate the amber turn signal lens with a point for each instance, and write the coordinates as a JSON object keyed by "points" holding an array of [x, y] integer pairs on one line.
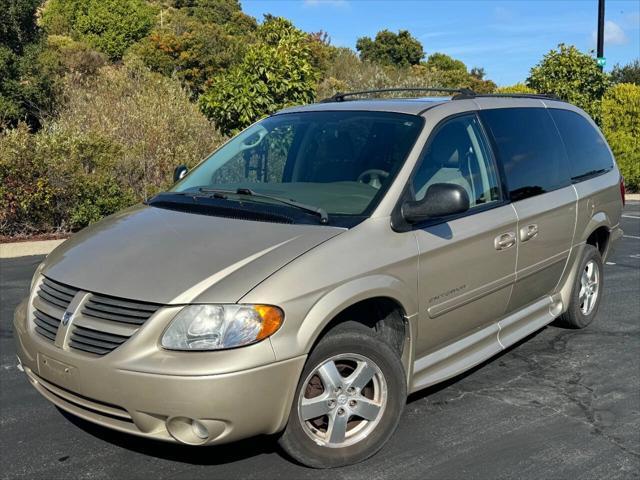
{"points": [[271, 320]]}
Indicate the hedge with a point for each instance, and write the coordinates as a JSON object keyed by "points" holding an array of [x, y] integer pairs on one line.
{"points": [[621, 127]]}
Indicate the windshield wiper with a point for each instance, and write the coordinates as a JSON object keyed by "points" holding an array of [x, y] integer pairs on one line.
{"points": [[321, 212]]}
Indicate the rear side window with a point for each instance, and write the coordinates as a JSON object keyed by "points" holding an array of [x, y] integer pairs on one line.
{"points": [[530, 149], [587, 151]]}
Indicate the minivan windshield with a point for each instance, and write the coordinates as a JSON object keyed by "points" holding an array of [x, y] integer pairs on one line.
{"points": [[339, 162]]}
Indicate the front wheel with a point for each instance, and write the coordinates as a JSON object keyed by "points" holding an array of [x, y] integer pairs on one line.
{"points": [[348, 402]]}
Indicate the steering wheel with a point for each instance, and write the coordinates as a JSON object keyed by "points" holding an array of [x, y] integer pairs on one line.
{"points": [[374, 175]]}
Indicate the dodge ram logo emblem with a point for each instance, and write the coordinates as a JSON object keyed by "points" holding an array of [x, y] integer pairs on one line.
{"points": [[66, 317]]}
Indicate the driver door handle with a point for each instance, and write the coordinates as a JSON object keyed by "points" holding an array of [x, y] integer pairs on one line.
{"points": [[504, 241], [528, 232]]}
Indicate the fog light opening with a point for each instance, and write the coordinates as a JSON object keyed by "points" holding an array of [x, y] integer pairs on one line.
{"points": [[199, 430], [190, 431]]}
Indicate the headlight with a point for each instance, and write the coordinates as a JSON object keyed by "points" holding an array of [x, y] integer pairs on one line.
{"points": [[216, 327], [36, 275]]}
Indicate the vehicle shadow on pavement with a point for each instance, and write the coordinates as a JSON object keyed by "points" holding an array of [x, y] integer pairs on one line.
{"points": [[244, 449], [429, 391], [206, 455]]}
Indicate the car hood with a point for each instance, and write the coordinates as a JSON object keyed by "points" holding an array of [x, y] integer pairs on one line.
{"points": [[169, 257]]}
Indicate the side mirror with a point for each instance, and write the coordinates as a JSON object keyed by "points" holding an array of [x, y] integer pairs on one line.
{"points": [[442, 199], [179, 172]]}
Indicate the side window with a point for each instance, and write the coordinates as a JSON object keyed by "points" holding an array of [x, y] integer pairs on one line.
{"points": [[530, 149], [587, 151], [459, 154]]}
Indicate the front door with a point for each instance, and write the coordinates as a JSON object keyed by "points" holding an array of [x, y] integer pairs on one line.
{"points": [[467, 262]]}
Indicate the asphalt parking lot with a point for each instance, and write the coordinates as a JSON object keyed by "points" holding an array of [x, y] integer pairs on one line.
{"points": [[561, 404]]}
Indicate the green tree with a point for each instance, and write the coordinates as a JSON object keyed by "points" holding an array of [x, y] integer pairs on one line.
{"points": [[621, 126], [629, 73], [515, 88], [453, 73], [400, 49], [571, 75], [27, 85], [23, 87], [445, 63], [190, 50], [275, 72], [17, 23], [110, 26]]}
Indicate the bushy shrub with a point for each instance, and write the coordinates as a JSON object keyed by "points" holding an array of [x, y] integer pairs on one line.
{"points": [[515, 88], [28, 85], [111, 26], [621, 126], [189, 49], [116, 141], [629, 73], [17, 23], [348, 73], [147, 115], [573, 76], [52, 181], [275, 72]]}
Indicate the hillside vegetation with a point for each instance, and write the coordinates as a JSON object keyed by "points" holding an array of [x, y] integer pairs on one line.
{"points": [[100, 99]]}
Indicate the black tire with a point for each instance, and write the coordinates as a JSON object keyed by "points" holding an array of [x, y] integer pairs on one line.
{"points": [[574, 317], [348, 338]]}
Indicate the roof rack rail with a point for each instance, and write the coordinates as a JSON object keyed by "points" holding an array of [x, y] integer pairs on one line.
{"points": [[340, 97], [539, 96]]}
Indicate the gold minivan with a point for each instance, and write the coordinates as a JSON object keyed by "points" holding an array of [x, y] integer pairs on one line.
{"points": [[323, 264]]}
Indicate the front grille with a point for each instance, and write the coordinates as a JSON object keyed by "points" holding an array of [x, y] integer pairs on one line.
{"points": [[107, 322], [95, 341], [117, 310], [46, 325], [102, 324], [51, 301]]}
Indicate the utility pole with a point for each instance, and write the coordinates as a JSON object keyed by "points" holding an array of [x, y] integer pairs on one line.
{"points": [[601, 60]]}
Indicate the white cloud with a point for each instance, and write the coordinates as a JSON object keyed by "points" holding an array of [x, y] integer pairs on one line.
{"points": [[328, 3], [613, 34], [503, 14]]}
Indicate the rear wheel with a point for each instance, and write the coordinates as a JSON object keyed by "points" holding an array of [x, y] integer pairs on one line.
{"points": [[587, 291], [348, 402]]}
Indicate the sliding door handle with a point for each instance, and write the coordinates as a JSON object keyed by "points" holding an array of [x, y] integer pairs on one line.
{"points": [[504, 241], [528, 232]]}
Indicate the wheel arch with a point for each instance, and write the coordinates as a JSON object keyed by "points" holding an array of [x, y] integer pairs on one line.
{"points": [[383, 292], [597, 233]]}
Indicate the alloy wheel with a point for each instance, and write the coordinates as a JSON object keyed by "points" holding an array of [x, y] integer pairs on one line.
{"points": [[342, 400], [589, 287]]}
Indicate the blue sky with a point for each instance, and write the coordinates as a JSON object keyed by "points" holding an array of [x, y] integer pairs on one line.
{"points": [[505, 37]]}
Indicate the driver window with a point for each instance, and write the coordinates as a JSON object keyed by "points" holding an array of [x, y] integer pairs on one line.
{"points": [[459, 154], [263, 159]]}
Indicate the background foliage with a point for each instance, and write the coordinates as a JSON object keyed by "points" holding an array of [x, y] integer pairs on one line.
{"points": [[275, 72], [398, 49], [110, 26], [573, 76], [621, 126], [100, 99]]}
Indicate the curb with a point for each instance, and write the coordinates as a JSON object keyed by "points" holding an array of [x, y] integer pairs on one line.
{"points": [[22, 249], [633, 196]]}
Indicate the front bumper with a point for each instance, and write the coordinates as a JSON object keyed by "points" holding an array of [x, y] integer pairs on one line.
{"points": [[160, 403]]}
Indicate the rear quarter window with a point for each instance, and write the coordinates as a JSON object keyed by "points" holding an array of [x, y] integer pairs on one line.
{"points": [[586, 149], [530, 149]]}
